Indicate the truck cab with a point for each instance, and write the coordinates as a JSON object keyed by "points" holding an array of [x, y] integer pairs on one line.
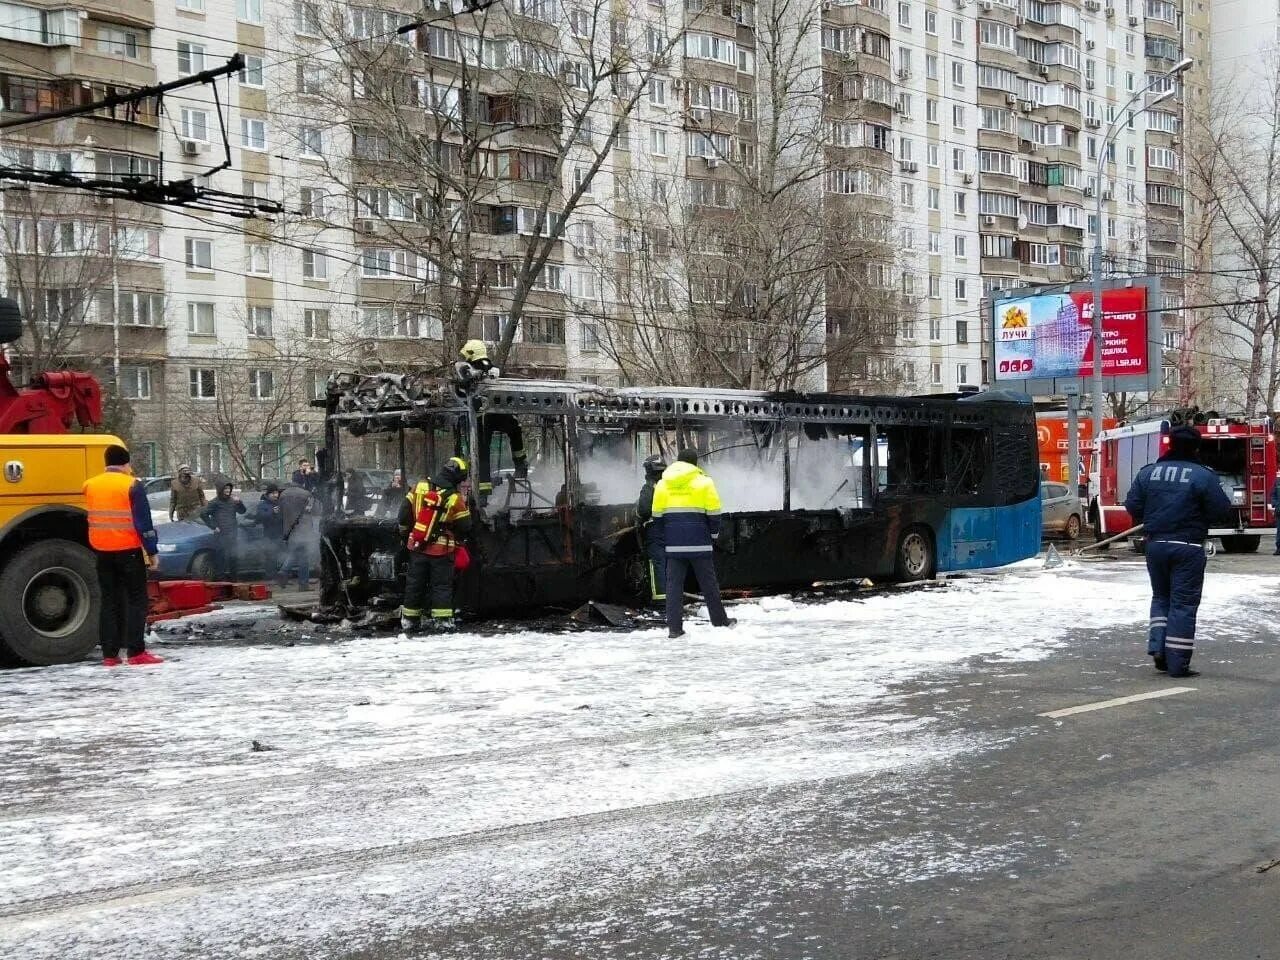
{"points": [[49, 598]]}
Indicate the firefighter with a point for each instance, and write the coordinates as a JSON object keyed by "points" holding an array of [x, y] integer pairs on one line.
{"points": [[654, 545], [685, 502], [476, 365], [1177, 499], [124, 539], [434, 516]]}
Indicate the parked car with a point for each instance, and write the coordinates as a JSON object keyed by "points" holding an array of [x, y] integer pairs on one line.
{"points": [[1060, 510], [186, 549], [154, 485]]}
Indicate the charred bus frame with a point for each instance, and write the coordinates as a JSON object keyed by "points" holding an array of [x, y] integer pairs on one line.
{"points": [[918, 485]]}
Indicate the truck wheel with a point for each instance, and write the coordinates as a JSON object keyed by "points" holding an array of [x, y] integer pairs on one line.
{"points": [[915, 556], [1241, 543], [49, 604]]}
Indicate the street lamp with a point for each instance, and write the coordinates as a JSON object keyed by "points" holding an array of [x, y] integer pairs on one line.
{"points": [[1178, 68]]}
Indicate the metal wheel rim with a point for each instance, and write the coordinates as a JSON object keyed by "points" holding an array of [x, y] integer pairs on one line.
{"points": [[56, 602], [915, 554], [1073, 527]]}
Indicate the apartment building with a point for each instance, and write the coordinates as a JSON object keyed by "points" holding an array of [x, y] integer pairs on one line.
{"points": [[921, 155]]}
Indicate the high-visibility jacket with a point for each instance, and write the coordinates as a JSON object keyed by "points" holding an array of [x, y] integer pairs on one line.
{"points": [[119, 515], [453, 517], [688, 507]]}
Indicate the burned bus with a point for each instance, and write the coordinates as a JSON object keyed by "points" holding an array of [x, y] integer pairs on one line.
{"points": [[815, 487]]}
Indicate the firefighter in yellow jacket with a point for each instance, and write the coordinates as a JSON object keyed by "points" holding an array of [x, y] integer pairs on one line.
{"points": [[433, 517]]}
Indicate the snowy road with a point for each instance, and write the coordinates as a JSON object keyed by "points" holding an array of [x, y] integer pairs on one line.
{"points": [[441, 784]]}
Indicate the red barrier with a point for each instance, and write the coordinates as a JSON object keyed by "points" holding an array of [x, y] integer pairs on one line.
{"points": [[169, 599]]}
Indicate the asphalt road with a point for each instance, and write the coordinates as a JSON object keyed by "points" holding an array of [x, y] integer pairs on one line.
{"points": [[1132, 832], [1139, 833]]}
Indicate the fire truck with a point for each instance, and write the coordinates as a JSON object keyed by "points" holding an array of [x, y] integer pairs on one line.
{"points": [[1241, 451]]}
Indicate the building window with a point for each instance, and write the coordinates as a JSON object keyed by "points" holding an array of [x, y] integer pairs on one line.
{"points": [[657, 142], [199, 254], [251, 73], [548, 330], [957, 74], [118, 42], [250, 11], [962, 288], [208, 459], [935, 374], [315, 265], [190, 57], [262, 384], [253, 134], [315, 324], [311, 141], [935, 329], [961, 246], [317, 384], [962, 331], [200, 321], [962, 374], [1169, 376], [261, 322], [590, 338], [311, 202], [194, 124], [258, 259], [134, 383], [657, 91], [191, 6], [202, 383]]}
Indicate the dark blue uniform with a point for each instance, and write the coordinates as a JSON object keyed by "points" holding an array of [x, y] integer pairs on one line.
{"points": [[1177, 500], [1275, 506], [655, 544]]}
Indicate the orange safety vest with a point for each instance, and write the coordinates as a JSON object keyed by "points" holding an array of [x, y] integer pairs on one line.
{"points": [[111, 512]]}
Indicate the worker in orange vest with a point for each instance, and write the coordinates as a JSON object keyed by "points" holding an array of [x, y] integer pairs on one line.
{"points": [[122, 535]]}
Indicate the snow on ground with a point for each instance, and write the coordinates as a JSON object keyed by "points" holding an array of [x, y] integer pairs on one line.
{"points": [[442, 780]]}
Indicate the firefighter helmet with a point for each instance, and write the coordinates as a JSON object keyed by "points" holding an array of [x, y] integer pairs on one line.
{"points": [[474, 350]]}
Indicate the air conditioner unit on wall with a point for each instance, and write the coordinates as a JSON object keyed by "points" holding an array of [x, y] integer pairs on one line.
{"points": [[1011, 98], [190, 148], [364, 226], [968, 178], [1133, 21], [989, 221]]}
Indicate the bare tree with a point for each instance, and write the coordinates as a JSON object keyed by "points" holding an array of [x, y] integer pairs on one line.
{"points": [[1235, 175], [472, 139], [773, 267]]}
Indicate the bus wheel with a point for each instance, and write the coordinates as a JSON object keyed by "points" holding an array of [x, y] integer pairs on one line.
{"points": [[915, 556], [1241, 543], [49, 603]]}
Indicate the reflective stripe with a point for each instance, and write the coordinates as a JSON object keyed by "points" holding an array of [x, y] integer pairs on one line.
{"points": [[1155, 620], [1180, 643], [440, 613], [701, 510], [1181, 543], [410, 612], [703, 548]]}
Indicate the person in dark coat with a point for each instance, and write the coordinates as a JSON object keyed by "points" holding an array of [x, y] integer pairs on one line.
{"points": [[305, 477], [1177, 499], [300, 514], [392, 494], [357, 499], [655, 546], [220, 514], [267, 515]]}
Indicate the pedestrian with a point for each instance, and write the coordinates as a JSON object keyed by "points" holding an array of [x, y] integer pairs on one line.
{"points": [[300, 517], [220, 515], [186, 496], [392, 494], [686, 503], [124, 540], [267, 515], [1275, 509], [357, 498], [434, 517], [655, 546], [304, 477], [1177, 500]]}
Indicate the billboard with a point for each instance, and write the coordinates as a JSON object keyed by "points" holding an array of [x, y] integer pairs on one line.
{"points": [[1042, 340]]}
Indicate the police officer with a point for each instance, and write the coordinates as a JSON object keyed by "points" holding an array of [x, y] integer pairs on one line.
{"points": [[124, 539], [1177, 499], [655, 545], [686, 503], [431, 567]]}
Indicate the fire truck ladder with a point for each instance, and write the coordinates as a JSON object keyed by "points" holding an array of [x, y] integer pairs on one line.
{"points": [[1258, 432]]}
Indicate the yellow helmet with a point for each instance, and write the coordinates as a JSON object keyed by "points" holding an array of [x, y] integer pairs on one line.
{"points": [[474, 350]]}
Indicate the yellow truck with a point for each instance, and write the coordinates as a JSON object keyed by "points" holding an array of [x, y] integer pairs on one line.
{"points": [[49, 597]]}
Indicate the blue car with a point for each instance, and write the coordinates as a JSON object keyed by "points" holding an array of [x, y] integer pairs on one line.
{"points": [[186, 548]]}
